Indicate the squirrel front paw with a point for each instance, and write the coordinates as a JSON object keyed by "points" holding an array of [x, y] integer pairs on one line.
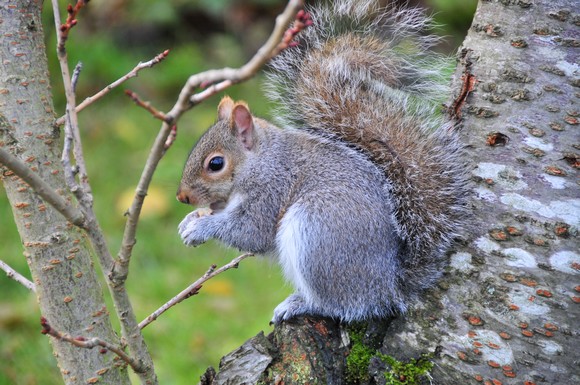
{"points": [[190, 228], [292, 306]]}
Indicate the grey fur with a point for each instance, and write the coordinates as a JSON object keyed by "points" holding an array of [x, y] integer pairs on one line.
{"points": [[348, 254], [362, 192]]}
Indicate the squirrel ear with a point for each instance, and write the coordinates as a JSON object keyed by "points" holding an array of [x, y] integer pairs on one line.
{"points": [[225, 108], [244, 125]]}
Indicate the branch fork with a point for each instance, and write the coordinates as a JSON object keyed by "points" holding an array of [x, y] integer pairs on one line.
{"points": [[90, 343], [147, 106], [13, 274]]}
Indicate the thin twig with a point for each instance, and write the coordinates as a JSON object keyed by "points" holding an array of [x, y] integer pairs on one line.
{"points": [[84, 195], [193, 289], [146, 105], [75, 75], [209, 91], [69, 170], [70, 22], [171, 138], [131, 74], [42, 188], [236, 75], [302, 21], [13, 274], [89, 343]]}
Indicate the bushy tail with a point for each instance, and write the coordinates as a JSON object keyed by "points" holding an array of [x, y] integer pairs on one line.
{"points": [[364, 75]]}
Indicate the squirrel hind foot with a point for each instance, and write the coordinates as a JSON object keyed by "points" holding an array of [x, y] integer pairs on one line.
{"points": [[291, 307]]}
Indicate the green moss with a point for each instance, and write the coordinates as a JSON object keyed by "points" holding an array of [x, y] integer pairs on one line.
{"points": [[357, 362], [397, 373], [406, 373]]}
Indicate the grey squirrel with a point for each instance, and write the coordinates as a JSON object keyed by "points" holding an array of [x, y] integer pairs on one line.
{"points": [[361, 189]]}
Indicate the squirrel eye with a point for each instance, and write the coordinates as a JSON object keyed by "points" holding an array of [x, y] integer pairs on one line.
{"points": [[216, 163]]}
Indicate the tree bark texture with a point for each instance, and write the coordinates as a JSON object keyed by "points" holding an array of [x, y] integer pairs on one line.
{"points": [[511, 311], [507, 310], [57, 253]]}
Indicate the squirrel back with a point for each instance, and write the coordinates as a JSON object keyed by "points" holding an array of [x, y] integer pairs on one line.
{"points": [[364, 75]]}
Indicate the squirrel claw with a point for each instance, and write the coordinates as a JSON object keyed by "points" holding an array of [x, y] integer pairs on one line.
{"points": [[289, 308], [190, 229]]}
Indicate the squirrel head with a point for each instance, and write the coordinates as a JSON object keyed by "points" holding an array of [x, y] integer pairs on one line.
{"points": [[208, 175]]}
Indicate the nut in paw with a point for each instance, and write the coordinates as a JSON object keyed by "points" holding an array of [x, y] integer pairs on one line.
{"points": [[189, 228]]}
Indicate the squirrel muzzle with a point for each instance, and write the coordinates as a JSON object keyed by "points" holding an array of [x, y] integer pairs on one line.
{"points": [[185, 195]]}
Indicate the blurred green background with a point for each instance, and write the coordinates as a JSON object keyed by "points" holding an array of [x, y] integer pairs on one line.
{"points": [[110, 39]]}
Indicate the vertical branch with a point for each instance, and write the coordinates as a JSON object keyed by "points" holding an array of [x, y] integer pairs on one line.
{"points": [[121, 268], [71, 124], [123, 307]]}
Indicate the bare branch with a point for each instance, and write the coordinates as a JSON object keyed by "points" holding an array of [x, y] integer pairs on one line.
{"points": [[146, 105], [42, 188], [131, 74], [231, 75], [75, 75], [193, 289], [89, 343], [13, 274], [71, 126], [70, 22]]}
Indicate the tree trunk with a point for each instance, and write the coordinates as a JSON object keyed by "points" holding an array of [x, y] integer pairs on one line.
{"points": [[507, 310], [513, 290], [68, 291]]}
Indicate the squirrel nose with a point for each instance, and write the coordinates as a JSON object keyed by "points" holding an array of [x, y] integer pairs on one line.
{"points": [[185, 196]]}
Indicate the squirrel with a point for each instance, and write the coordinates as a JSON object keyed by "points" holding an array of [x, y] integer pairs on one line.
{"points": [[361, 188]]}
